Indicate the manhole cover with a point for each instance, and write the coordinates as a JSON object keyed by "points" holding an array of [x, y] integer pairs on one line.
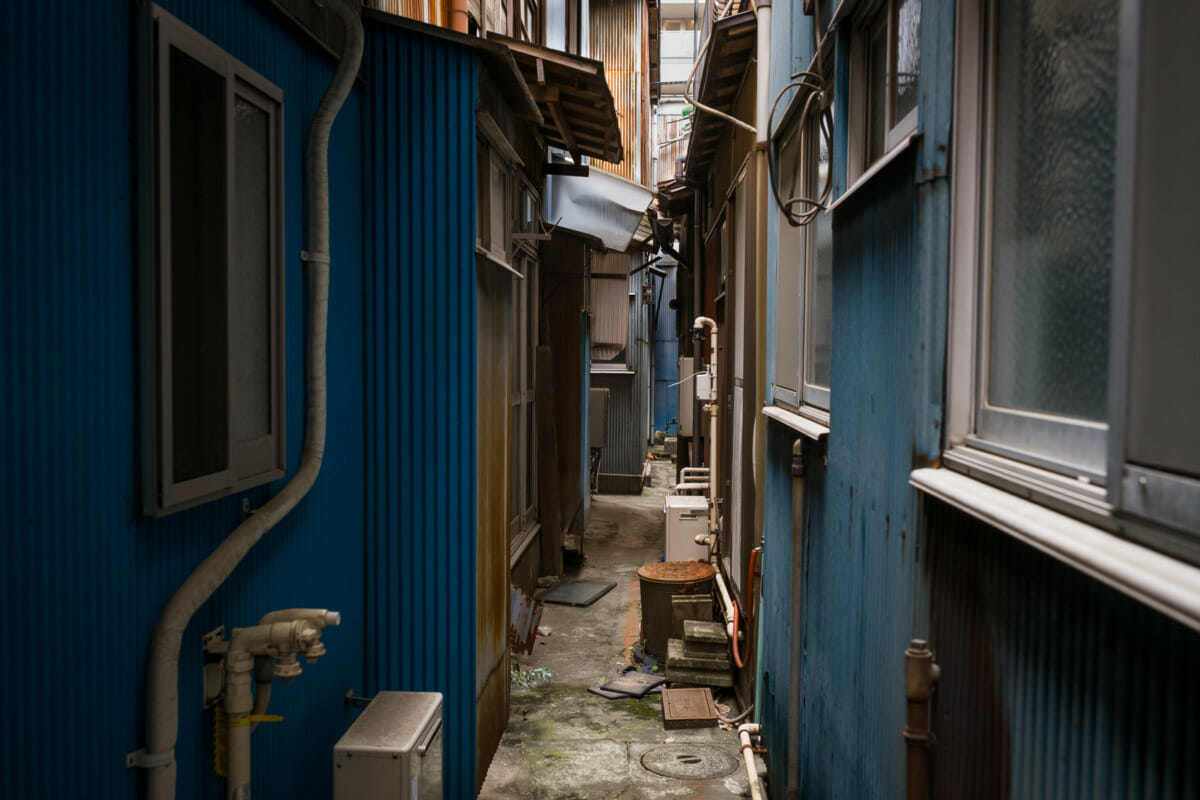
{"points": [[690, 761]]}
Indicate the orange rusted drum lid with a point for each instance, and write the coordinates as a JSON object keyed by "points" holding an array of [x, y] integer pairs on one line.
{"points": [[678, 572]]}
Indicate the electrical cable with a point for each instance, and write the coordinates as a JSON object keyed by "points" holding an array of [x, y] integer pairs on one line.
{"points": [[687, 93], [814, 83]]}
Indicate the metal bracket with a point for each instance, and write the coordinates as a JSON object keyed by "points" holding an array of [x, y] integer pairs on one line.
{"points": [[353, 701], [140, 759]]}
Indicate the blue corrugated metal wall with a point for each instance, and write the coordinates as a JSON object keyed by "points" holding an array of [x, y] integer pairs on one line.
{"points": [[420, 369], [666, 357], [80, 566], [1052, 684], [84, 576]]}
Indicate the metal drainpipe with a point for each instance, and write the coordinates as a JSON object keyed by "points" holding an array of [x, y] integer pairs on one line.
{"points": [[921, 675], [162, 672]]}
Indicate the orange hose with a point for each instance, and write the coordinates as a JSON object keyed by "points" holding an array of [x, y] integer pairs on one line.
{"points": [[737, 657]]}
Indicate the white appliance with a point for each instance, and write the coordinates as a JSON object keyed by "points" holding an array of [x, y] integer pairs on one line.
{"points": [[687, 516], [393, 751]]}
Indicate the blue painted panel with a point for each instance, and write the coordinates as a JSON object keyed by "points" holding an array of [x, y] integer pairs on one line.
{"points": [[419, 129], [76, 552], [1052, 684], [666, 357]]}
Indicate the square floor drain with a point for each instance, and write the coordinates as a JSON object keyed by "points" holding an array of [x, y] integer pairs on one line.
{"points": [[688, 708]]}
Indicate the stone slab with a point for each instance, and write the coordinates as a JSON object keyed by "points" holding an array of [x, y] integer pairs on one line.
{"points": [[677, 657], [686, 607], [700, 677], [712, 632]]}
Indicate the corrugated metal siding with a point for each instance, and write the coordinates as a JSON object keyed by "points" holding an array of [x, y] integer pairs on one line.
{"points": [[628, 413], [863, 597], [77, 558], [666, 356], [616, 39], [1052, 684], [420, 421], [775, 607]]}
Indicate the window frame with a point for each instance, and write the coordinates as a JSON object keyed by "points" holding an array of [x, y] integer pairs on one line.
{"points": [[1152, 507], [810, 399], [249, 462], [896, 134]]}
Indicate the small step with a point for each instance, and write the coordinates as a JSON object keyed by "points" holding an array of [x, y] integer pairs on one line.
{"points": [[677, 656], [700, 677], [706, 632]]}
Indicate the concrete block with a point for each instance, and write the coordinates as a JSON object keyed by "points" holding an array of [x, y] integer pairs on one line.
{"points": [[689, 606], [700, 677], [678, 657], [709, 632]]}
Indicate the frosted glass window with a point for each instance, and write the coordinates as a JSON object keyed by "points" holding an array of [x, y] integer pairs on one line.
{"points": [[250, 273], [819, 307], [1052, 207], [908, 39]]}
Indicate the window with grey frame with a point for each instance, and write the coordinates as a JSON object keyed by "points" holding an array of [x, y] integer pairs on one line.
{"points": [[1050, 380], [217, 272], [804, 301], [884, 72], [525, 303]]}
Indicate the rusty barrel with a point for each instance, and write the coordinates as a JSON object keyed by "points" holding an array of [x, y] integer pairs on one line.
{"points": [[659, 581]]}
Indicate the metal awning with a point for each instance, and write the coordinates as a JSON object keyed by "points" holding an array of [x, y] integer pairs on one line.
{"points": [[730, 50], [601, 206], [578, 112]]}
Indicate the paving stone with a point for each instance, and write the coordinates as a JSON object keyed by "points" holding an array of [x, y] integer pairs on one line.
{"points": [[697, 631]]}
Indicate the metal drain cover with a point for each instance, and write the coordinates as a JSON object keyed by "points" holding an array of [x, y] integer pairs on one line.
{"points": [[697, 762]]}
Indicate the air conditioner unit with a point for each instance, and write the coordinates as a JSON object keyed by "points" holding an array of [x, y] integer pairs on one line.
{"points": [[687, 516], [393, 751]]}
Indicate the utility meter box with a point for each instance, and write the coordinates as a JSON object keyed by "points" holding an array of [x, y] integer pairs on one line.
{"points": [[393, 751], [598, 418], [687, 516], [687, 394], [704, 386]]}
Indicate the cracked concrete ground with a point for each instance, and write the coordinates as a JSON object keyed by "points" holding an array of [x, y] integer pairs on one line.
{"points": [[564, 743]]}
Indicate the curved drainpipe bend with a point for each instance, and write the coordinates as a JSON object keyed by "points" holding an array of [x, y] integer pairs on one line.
{"points": [[162, 679]]}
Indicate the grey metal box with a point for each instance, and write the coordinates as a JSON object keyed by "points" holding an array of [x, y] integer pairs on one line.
{"points": [[393, 751], [687, 394], [598, 417]]}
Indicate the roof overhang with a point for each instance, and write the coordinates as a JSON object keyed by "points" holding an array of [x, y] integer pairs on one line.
{"points": [[730, 51], [576, 105], [601, 206]]}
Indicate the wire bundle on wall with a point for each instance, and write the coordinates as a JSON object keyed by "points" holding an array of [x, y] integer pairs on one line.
{"points": [[812, 82]]}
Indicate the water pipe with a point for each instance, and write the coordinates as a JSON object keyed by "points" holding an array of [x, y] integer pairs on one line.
{"points": [[162, 671], [744, 734]]}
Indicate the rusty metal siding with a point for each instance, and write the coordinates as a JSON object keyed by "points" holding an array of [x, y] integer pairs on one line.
{"points": [[77, 557], [616, 39], [420, 377], [1052, 684]]}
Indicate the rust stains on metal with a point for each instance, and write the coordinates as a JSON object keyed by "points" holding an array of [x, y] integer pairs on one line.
{"points": [[676, 572], [616, 41]]}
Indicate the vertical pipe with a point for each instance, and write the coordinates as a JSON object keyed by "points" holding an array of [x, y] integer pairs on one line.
{"points": [[920, 677]]}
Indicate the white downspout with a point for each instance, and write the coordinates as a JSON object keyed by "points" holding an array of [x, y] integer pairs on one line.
{"points": [[744, 734], [708, 323], [162, 681]]}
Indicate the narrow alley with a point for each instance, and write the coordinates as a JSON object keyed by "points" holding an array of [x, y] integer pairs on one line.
{"points": [[564, 742]]}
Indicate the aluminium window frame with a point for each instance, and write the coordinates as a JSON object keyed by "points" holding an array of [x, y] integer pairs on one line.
{"points": [[250, 462], [808, 399], [897, 134], [1050, 443]]}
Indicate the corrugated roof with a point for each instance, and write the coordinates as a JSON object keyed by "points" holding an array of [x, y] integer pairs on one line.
{"points": [[729, 53], [577, 107]]}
